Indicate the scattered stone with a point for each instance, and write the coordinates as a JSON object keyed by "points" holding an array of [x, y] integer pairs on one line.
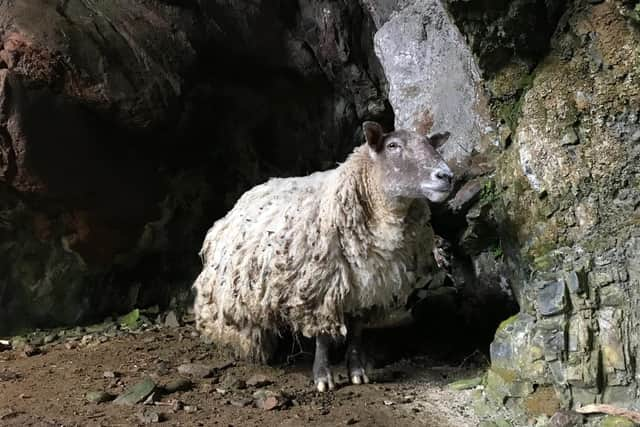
{"points": [[36, 341], [466, 384], [99, 397], [5, 345], [111, 374], [48, 339], [406, 399], [222, 391], [197, 370], [148, 416], [190, 409], [181, 384], [351, 421], [136, 393], [258, 381], [86, 339], [269, 400], [241, 403], [18, 343], [177, 405], [9, 375], [29, 350], [24, 396], [151, 399], [566, 419], [231, 382], [268, 403], [388, 403], [70, 345], [171, 320]]}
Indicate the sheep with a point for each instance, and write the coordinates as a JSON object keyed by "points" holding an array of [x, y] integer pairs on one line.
{"points": [[321, 254]]}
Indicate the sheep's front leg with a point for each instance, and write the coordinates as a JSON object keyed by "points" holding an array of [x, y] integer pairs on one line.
{"points": [[356, 360], [322, 376]]}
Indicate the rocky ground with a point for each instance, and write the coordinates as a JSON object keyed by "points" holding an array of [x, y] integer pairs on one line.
{"points": [[134, 371]]}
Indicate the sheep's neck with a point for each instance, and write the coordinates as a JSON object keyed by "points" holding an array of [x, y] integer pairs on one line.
{"points": [[380, 209]]}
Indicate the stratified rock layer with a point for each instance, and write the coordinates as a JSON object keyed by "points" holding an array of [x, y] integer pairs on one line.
{"points": [[568, 193]]}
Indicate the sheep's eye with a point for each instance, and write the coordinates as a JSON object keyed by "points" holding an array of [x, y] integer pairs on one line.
{"points": [[393, 145]]}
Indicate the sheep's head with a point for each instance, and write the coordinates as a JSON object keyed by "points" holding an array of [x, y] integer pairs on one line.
{"points": [[408, 163]]}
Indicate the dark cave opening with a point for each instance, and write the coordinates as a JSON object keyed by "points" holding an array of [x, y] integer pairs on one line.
{"points": [[288, 105]]}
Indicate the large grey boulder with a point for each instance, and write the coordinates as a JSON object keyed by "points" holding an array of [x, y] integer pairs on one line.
{"points": [[434, 82]]}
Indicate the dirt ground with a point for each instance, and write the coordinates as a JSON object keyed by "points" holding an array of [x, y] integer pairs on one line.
{"points": [[50, 387]]}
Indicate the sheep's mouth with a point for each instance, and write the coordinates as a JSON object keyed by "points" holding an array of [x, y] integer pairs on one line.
{"points": [[436, 193], [443, 188]]}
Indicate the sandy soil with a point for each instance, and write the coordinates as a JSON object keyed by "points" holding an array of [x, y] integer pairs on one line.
{"points": [[50, 388]]}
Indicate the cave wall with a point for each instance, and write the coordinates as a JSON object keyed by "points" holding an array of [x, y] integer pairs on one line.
{"points": [[126, 129], [564, 197]]}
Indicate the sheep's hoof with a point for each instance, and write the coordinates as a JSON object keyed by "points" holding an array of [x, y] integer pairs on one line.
{"points": [[356, 366], [324, 381], [358, 376]]}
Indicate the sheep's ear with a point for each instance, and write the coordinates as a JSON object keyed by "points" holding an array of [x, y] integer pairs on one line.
{"points": [[437, 140], [374, 135]]}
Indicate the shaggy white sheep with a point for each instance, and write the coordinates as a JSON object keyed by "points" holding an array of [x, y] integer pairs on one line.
{"points": [[309, 253]]}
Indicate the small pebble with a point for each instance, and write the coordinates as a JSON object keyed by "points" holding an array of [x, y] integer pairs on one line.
{"points": [[241, 403], [197, 370], [181, 384], [30, 350], [171, 320], [99, 397], [190, 409], [148, 416], [177, 405], [258, 380]]}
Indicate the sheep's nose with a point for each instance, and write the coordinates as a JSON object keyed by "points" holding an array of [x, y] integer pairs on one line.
{"points": [[446, 176]]}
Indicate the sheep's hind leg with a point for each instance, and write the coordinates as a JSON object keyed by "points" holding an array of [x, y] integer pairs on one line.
{"points": [[356, 360], [322, 377]]}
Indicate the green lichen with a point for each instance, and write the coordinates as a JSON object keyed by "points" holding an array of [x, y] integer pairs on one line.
{"points": [[505, 323], [497, 251], [466, 383], [489, 193], [612, 421]]}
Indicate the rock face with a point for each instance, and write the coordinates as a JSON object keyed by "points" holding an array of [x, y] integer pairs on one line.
{"points": [[125, 129], [434, 83], [553, 211], [566, 207]]}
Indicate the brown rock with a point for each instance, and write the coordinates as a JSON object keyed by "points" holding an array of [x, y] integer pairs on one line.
{"points": [[259, 380], [197, 370]]}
